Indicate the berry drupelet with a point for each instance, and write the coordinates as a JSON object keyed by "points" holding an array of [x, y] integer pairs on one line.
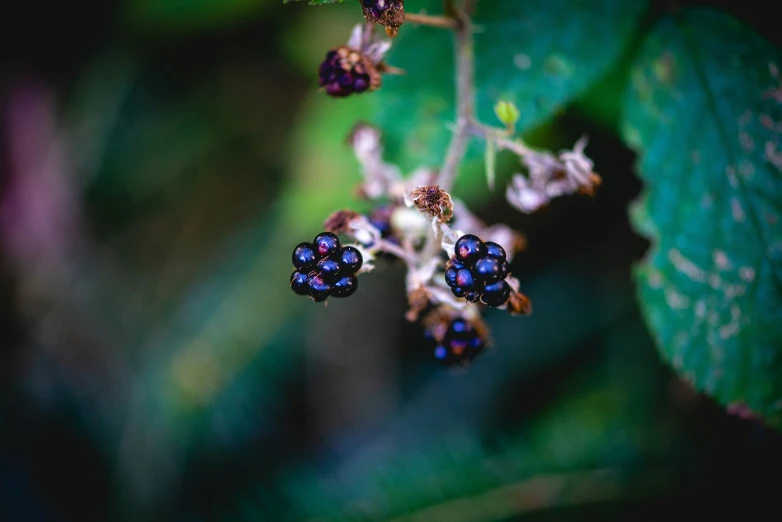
{"points": [[324, 268], [477, 271], [346, 71], [460, 344]]}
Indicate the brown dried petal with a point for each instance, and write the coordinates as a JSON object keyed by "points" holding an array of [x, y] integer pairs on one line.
{"points": [[418, 300], [434, 201], [519, 304], [392, 18], [338, 222]]}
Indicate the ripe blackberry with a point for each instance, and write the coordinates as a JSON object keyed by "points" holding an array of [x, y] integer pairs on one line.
{"points": [[346, 71], [477, 271], [324, 268], [469, 249], [461, 343]]}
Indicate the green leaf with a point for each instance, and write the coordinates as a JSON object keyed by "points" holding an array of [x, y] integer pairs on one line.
{"points": [[704, 111], [538, 55]]}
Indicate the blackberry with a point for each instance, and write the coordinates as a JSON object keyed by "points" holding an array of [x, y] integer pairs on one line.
{"points": [[469, 249], [477, 271], [346, 71], [324, 268], [461, 343], [390, 13]]}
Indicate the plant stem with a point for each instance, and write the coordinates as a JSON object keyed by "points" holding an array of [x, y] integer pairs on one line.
{"points": [[496, 135], [465, 99], [434, 21]]}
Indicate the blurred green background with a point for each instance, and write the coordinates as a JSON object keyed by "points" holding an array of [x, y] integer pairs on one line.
{"points": [[160, 159]]}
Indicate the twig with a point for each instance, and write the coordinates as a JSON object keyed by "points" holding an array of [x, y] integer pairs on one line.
{"points": [[496, 135], [393, 249], [433, 21], [465, 100]]}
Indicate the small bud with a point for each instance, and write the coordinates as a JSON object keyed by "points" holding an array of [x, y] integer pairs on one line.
{"points": [[507, 112], [389, 13], [434, 201]]}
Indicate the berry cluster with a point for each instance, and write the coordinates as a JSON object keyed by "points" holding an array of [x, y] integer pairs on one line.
{"points": [[346, 71], [477, 271], [324, 268], [461, 343]]}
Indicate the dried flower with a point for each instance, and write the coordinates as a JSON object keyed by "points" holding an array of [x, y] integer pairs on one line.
{"points": [[390, 13], [434, 201], [551, 176]]}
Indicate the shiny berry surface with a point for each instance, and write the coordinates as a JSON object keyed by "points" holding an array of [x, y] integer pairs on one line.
{"points": [[495, 294], [469, 249], [299, 283], [304, 256], [326, 244], [487, 269], [325, 269], [345, 287], [493, 249], [328, 269], [450, 277], [460, 345], [350, 260], [477, 271], [465, 279]]}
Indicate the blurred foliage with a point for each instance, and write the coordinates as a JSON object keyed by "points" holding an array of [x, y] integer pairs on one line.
{"points": [[158, 167], [700, 110]]}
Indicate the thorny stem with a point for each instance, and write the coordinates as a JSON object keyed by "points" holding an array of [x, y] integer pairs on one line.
{"points": [[465, 96], [433, 21]]}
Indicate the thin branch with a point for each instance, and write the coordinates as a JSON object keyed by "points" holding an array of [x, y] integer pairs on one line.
{"points": [[497, 136], [433, 21], [395, 250], [465, 100]]}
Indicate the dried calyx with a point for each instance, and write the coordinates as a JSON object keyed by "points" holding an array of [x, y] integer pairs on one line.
{"points": [[389, 13]]}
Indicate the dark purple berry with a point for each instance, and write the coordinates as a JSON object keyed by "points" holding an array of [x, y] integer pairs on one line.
{"points": [[319, 289], [345, 286], [464, 279], [495, 294], [504, 269], [440, 352], [326, 244], [351, 260], [299, 283], [469, 249], [487, 269], [460, 344], [328, 269], [458, 291], [345, 71], [493, 249], [450, 277], [455, 263], [304, 257]]}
